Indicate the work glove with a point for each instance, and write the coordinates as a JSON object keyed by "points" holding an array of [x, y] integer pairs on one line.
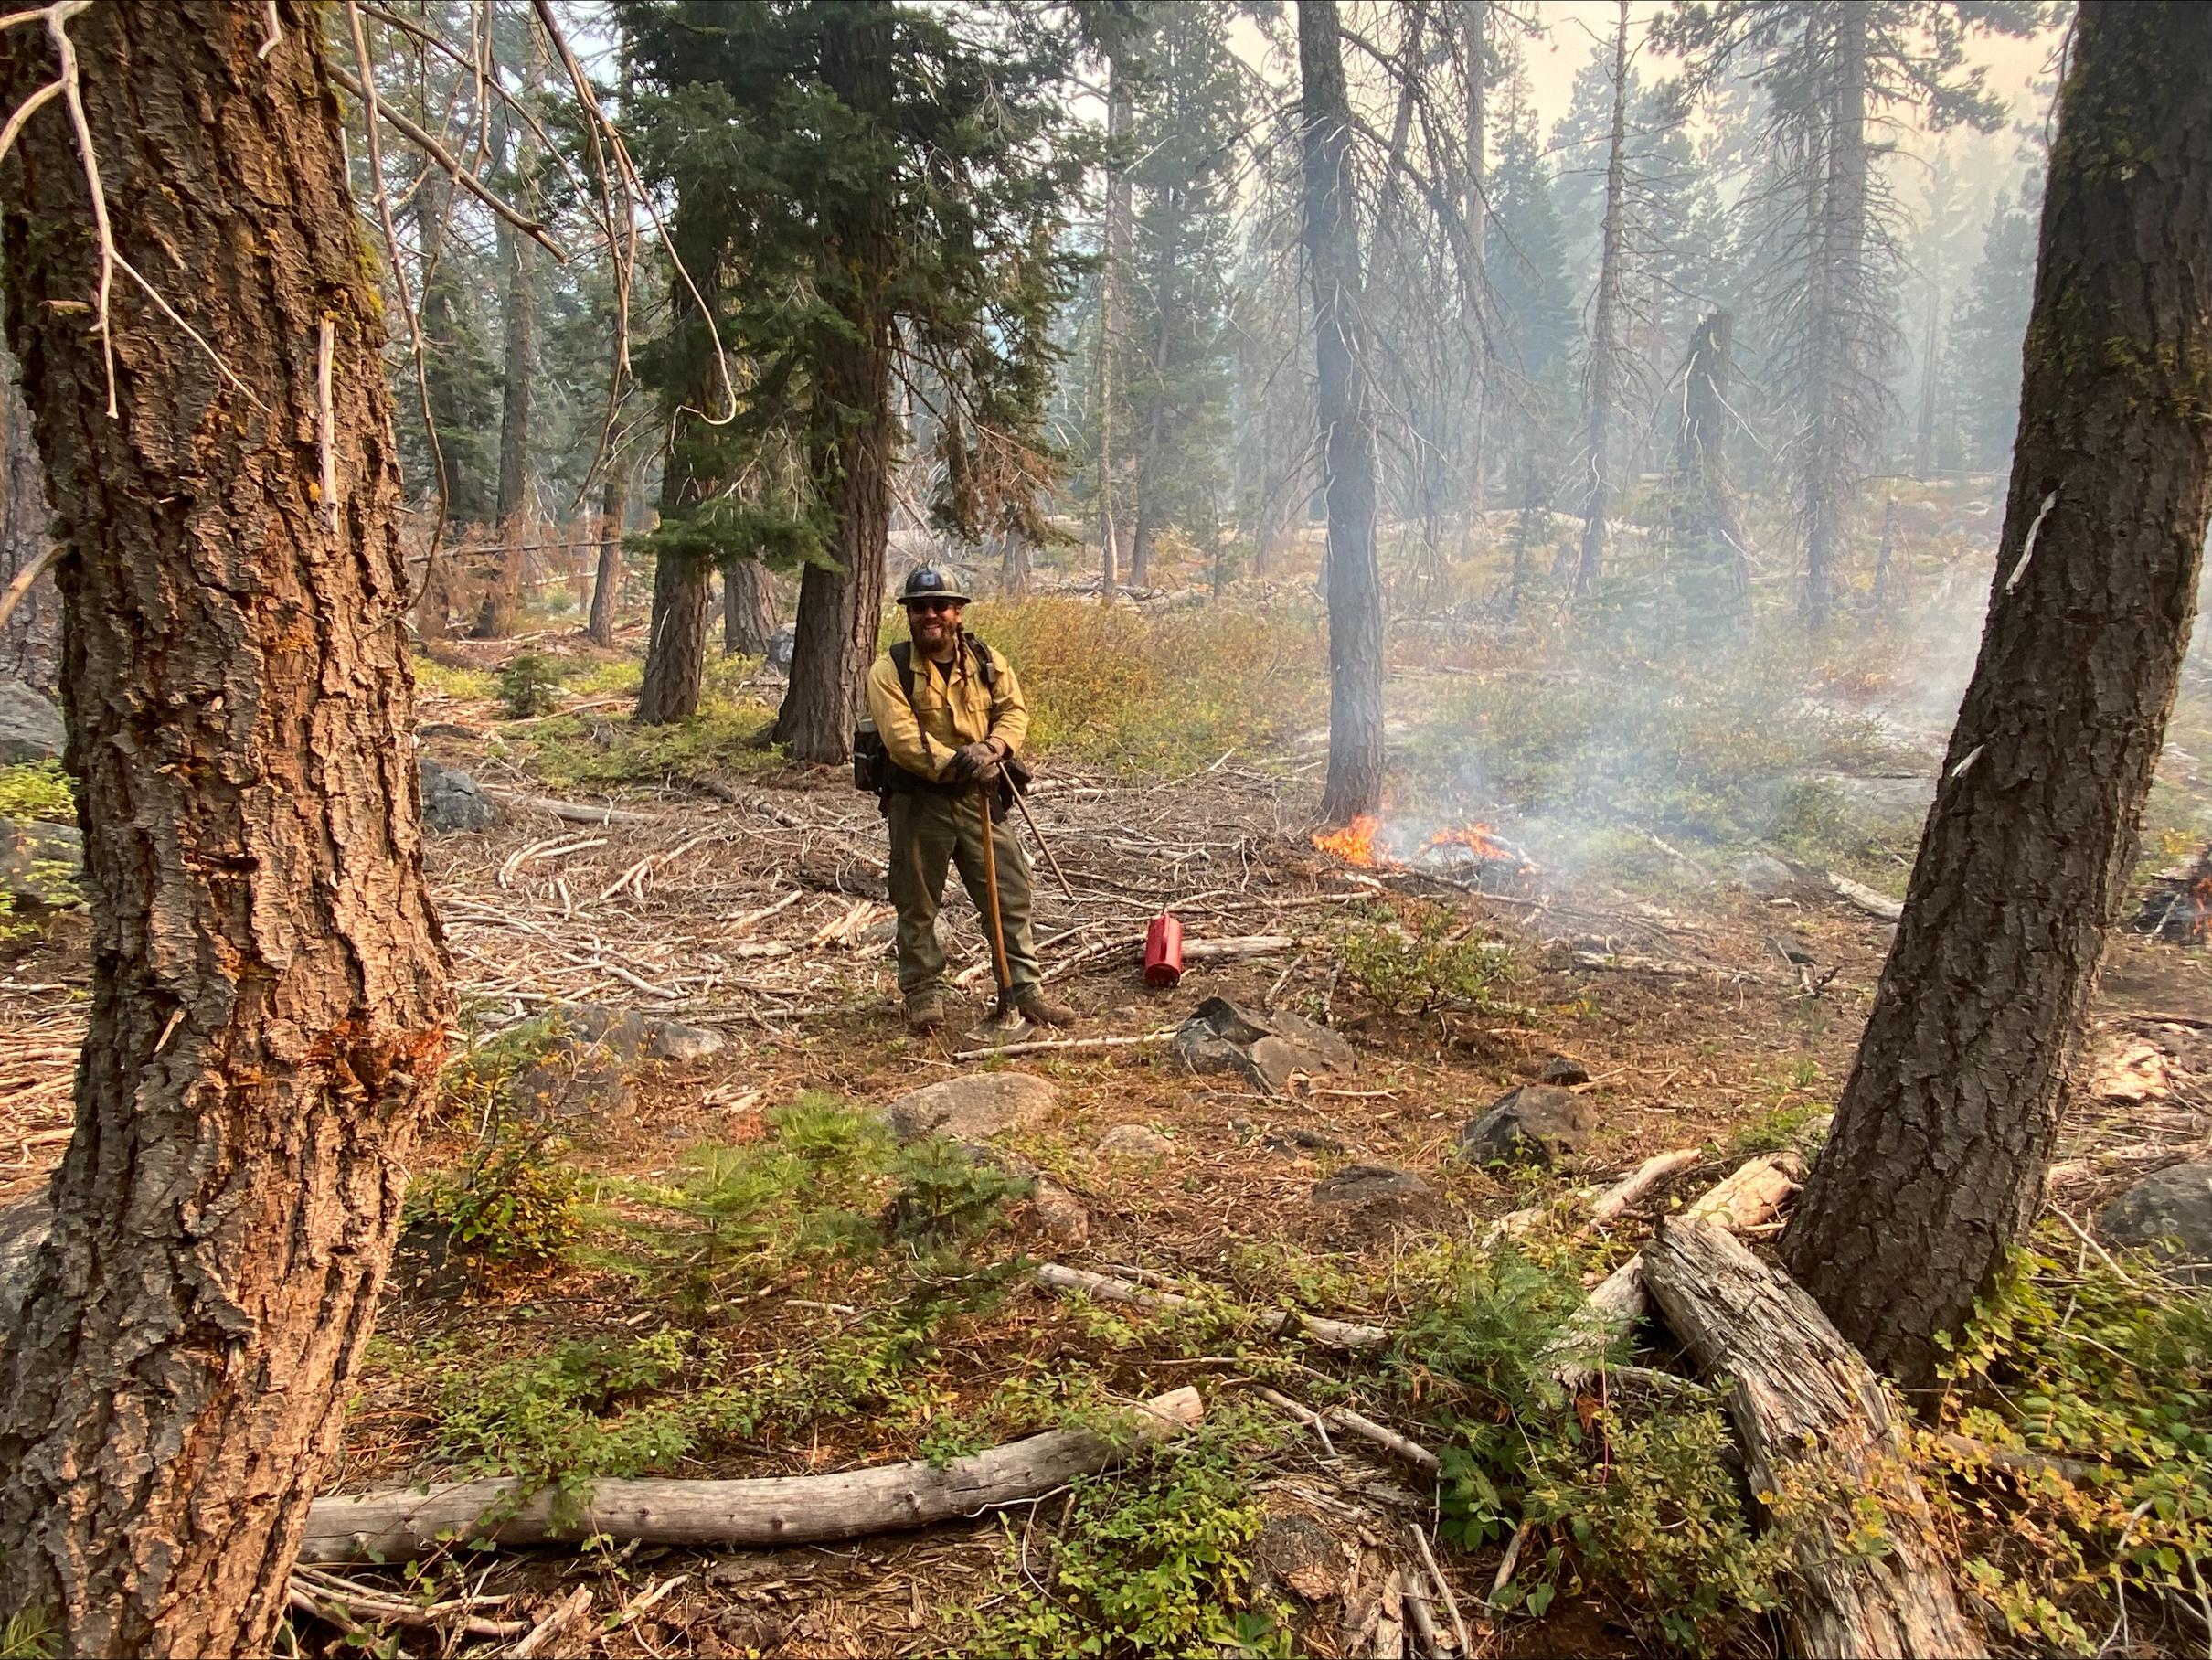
{"points": [[974, 764]]}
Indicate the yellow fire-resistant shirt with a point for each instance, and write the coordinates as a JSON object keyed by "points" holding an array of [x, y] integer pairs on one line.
{"points": [[955, 705]]}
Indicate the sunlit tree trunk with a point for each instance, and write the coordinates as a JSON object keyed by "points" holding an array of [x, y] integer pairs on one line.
{"points": [[749, 607], [268, 1004], [1348, 425], [1113, 324], [607, 581], [1942, 1139]]}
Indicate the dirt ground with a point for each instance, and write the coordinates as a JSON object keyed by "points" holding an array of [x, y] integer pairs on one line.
{"points": [[759, 917]]}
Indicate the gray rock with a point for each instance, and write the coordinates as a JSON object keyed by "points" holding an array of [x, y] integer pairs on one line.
{"points": [[573, 1083], [1562, 1071], [1134, 1141], [2169, 1210], [1295, 1140], [1531, 1125], [1268, 1051], [781, 647], [453, 800], [973, 1108], [41, 861], [636, 1037], [445, 729], [30, 726], [1763, 878], [1365, 1184]]}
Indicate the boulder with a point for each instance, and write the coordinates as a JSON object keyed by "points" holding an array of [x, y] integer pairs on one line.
{"points": [[782, 645], [1563, 1071], [30, 726], [41, 861], [452, 801], [1134, 1141], [446, 728], [573, 1082], [1365, 1184], [973, 1108], [1531, 1125], [1763, 877], [636, 1037], [1270, 1052], [2169, 1210]]}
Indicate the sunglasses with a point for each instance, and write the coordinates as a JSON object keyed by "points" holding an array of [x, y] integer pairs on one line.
{"points": [[935, 605]]}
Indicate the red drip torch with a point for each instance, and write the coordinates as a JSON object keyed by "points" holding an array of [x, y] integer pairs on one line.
{"points": [[1163, 951]]}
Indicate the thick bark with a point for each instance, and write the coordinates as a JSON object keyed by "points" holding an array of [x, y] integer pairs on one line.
{"points": [[748, 608], [1832, 442], [675, 642], [1013, 564], [1819, 1445], [1605, 330], [268, 1004], [607, 581], [30, 642], [398, 1524], [1113, 324], [840, 614], [1348, 425], [1937, 1158]]}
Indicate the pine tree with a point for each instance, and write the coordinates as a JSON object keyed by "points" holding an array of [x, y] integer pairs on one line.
{"points": [[871, 182], [1986, 327]]}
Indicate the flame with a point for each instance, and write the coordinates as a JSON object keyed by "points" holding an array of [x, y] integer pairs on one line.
{"points": [[1354, 844], [1360, 843], [1475, 837]]}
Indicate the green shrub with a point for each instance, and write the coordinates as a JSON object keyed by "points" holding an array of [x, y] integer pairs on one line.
{"points": [[37, 790], [1149, 1563], [518, 1202], [1423, 967], [2089, 1360]]}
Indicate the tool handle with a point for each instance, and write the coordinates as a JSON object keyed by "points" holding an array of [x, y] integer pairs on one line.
{"points": [[998, 931]]}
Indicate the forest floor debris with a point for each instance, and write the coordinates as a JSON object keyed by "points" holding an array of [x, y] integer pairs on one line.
{"points": [[717, 1262]]}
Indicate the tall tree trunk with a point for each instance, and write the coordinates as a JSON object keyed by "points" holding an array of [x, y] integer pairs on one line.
{"points": [[1885, 554], [1475, 44], [675, 643], [30, 646], [1013, 564], [1835, 440], [748, 608], [607, 582], [1347, 424], [1113, 324], [1605, 328], [840, 617], [1712, 577], [503, 590], [1941, 1138], [434, 197], [1924, 445], [268, 998]]}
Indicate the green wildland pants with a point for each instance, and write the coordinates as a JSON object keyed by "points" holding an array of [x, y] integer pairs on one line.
{"points": [[929, 833]]}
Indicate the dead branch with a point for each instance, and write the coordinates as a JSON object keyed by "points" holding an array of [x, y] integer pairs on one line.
{"points": [[1753, 1193], [397, 1524], [1330, 1334], [1605, 1206], [572, 1612]]}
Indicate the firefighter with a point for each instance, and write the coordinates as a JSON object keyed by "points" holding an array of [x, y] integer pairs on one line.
{"points": [[949, 712]]}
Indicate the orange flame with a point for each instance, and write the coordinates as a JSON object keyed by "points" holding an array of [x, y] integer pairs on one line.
{"points": [[1357, 844], [1354, 844]]}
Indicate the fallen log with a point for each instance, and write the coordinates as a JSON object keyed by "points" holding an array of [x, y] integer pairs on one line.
{"points": [[1330, 1334], [573, 811], [1747, 1197], [1818, 1441], [397, 1524]]}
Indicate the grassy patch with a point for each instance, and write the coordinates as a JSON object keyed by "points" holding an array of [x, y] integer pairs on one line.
{"points": [[595, 751], [1159, 693], [451, 680]]}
